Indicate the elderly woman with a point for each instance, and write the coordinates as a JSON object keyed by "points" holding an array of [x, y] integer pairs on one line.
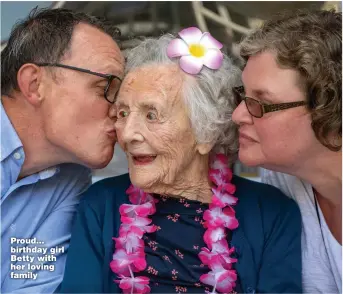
{"points": [[180, 222]]}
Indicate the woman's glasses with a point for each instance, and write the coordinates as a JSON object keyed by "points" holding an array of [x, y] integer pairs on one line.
{"points": [[257, 108]]}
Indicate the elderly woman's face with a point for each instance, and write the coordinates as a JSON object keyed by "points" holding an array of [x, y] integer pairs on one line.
{"points": [[153, 126]]}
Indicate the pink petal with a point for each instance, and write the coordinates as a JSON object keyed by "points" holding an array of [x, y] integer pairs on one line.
{"points": [[145, 209], [222, 199], [209, 42], [220, 161], [213, 235], [190, 64], [176, 48], [226, 285], [191, 35], [217, 177], [137, 221], [208, 279], [205, 256], [213, 59], [230, 188], [142, 280], [140, 264]]}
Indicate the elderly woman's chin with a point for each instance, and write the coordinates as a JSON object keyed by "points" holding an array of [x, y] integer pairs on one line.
{"points": [[143, 177], [143, 180]]}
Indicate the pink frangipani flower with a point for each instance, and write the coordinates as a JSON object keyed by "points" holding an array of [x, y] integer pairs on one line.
{"points": [[196, 49]]}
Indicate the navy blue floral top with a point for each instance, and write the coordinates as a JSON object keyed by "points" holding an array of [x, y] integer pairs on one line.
{"points": [[267, 241], [172, 251]]}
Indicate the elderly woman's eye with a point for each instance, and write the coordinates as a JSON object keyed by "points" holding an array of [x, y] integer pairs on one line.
{"points": [[151, 116], [122, 113]]}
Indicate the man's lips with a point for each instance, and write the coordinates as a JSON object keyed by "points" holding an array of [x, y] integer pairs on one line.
{"points": [[112, 133]]}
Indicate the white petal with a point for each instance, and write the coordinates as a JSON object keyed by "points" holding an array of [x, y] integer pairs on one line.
{"points": [[191, 35], [213, 58], [177, 48], [209, 42], [191, 64]]}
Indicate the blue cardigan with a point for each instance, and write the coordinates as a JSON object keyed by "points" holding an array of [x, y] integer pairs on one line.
{"points": [[267, 241]]}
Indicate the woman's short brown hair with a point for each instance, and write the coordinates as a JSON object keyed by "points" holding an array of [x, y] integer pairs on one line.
{"points": [[311, 43]]}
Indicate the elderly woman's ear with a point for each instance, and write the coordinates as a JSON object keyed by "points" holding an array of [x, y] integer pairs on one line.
{"points": [[204, 148]]}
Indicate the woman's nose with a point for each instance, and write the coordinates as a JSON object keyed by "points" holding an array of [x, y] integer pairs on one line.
{"points": [[131, 129], [241, 114], [112, 113]]}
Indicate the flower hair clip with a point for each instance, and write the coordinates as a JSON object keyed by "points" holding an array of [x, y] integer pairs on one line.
{"points": [[196, 49]]}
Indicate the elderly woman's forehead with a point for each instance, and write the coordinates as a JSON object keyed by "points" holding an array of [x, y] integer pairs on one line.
{"points": [[166, 76]]}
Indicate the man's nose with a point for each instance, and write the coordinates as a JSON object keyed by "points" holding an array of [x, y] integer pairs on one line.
{"points": [[241, 115]]}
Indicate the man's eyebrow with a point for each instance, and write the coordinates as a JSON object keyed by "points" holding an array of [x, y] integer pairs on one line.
{"points": [[110, 70]]}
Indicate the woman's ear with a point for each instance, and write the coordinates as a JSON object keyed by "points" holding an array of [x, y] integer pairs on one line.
{"points": [[204, 148], [29, 78]]}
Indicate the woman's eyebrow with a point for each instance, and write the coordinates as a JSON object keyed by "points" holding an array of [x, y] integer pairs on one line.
{"points": [[264, 95]]}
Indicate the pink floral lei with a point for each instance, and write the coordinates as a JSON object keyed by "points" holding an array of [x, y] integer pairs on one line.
{"points": [[129, 256]]}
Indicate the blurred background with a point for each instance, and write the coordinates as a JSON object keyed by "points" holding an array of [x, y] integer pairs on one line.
{"points": [[227, 21]]}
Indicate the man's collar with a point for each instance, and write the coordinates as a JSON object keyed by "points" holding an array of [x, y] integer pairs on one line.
{"points": [[9, 137]]}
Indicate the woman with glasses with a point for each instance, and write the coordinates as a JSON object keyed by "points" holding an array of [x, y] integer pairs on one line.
{"points": [[180, 221], [290, 122]]}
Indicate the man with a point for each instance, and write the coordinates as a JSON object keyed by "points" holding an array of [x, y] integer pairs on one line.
{"points": [[291, 124], [60, 73]]}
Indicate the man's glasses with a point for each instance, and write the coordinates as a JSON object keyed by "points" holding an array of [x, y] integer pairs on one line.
{"points": [[113, 82], [257, 108]]}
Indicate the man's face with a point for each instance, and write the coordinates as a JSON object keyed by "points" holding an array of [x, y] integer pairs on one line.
{"points": [[280, 140], [75, 112]]}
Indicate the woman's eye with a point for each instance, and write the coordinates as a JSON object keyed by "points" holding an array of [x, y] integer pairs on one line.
{"points": [[151, 116], [123, 113]]}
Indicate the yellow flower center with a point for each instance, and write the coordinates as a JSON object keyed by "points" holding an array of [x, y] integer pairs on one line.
{"points": [[197, 50]]}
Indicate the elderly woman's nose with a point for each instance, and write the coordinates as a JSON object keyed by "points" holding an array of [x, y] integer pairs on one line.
{"points": [[131, 130], [241, 114], [112, 113]]}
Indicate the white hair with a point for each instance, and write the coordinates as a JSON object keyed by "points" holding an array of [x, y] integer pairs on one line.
{"points": [[208, 95]]}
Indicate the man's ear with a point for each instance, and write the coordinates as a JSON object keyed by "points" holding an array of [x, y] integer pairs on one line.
{"points": [[204, 148], [29, 79]]}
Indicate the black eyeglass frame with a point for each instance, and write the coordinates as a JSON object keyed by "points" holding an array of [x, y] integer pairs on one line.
{"points": [[265, 107], [108, 77]]}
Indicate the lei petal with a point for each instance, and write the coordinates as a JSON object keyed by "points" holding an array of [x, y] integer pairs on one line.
{"points": [[134, 285], [223, 199]]}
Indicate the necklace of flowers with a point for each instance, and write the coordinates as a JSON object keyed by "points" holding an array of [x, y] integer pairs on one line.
{"points": [[129, 255]]}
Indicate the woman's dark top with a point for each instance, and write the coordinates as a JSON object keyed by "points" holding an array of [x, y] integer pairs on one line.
{"points": [[267, 241]]}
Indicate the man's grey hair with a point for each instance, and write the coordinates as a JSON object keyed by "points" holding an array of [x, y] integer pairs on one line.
{"points": [[208, 95]]}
